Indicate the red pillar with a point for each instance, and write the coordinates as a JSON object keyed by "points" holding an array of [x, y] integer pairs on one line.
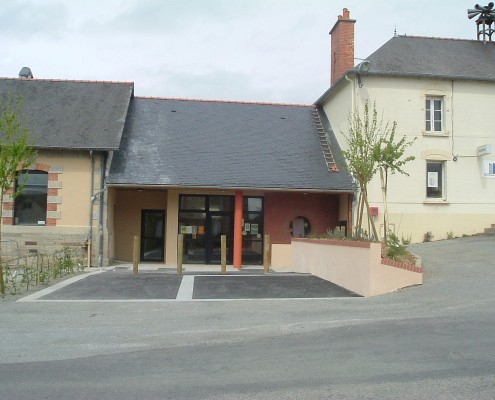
{"points": [[238, 230]]}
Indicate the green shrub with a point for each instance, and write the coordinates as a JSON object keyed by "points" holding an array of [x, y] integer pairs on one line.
{"points": [[395, 250], [428, 237], [406, 241]]}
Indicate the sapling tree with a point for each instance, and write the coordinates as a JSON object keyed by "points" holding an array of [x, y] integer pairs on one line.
{"points": [[363, 139], [372, 146], [390, 157], [16, 155]]}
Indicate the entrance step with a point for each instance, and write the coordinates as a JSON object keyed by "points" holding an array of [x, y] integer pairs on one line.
{"points": [[490, 231]]}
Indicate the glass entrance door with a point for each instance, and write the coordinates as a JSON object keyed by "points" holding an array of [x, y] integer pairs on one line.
{"points": [[203, 220], [252, 234], [152, 235], [219, 224]]}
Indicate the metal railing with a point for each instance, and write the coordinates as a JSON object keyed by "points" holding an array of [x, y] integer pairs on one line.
{"points": [[23, 272]]}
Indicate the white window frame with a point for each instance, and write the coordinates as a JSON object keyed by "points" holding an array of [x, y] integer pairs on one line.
{"points": [[431, 114]]}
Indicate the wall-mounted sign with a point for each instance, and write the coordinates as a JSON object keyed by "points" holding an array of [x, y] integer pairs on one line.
{"points": [[489, 169], [187, 230], [484, 150]]}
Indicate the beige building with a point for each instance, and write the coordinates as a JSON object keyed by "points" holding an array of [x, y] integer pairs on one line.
{"points": [[75, 126], [113, 167], [441, 93]]}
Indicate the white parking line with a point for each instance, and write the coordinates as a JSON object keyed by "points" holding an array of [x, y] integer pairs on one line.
{"points": [[186, 288], [191, 300]]}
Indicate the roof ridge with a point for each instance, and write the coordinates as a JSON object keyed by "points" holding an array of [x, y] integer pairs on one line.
{"points": [[65, 80], [439, 38], [224, 101]]}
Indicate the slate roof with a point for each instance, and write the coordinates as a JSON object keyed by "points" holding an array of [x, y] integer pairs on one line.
{"points": [[78, 115], [426, 57], [191, 143], [435, 57]]}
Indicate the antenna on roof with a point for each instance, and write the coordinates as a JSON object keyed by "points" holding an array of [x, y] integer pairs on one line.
{"points": [[486, 17], [25, 73], [395, 31]]}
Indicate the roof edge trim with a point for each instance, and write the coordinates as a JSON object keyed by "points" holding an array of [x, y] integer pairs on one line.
{"points": [[222, 101], [268, 189]]}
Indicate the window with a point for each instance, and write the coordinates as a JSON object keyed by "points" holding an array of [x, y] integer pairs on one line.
{"points": [[434, 114], [300, 227], [435, 179], [30, 205]]}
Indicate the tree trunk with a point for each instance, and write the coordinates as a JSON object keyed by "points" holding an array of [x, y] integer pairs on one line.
{"points": [[2, 282], [370, 219], [359, 221], [383, 179]]}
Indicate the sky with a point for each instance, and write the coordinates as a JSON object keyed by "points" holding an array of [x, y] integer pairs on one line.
{"points": [[241, 50]]}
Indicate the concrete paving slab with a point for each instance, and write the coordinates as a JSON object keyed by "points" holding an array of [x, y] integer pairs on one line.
{"points": [[113, 285], [119, 284], [266, 287]]}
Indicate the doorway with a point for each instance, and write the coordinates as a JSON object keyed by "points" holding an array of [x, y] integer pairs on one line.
{"points": [[203, 220], [152, 235]]}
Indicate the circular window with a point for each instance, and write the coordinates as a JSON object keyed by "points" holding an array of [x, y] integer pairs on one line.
{"points": [[300, 227]]}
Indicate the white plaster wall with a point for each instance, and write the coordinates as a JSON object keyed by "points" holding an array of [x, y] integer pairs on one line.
{"points": [[334, 264], [386, 279], [352, 265], [281, 256]]}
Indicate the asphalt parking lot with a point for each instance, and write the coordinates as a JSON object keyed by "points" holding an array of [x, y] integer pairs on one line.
{"points": [[119, 284], [433, 341]]}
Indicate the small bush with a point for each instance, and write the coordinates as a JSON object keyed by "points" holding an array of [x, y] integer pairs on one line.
{"points": [[395, 250], [450, 235], [338, 233], [406, 241], [428, 237], [38, 269]]}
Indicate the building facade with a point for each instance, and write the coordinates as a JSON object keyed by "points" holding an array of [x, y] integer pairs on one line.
{"points": [[439, 91], [211, 168], [113, 167]]}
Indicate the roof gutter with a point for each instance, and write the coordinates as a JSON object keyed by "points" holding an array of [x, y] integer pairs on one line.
{"points": [[323, 98], [231, 188]]}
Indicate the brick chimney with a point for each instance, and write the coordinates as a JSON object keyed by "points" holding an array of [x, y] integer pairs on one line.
{"points": [[342, 35]]}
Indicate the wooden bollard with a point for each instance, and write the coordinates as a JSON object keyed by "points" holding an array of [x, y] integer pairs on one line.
{"points": [[223, 250], [266, 253], [135, 256], [180, 252]]}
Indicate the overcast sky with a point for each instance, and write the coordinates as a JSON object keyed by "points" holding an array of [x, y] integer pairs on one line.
{"points": [[250, 50]]}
